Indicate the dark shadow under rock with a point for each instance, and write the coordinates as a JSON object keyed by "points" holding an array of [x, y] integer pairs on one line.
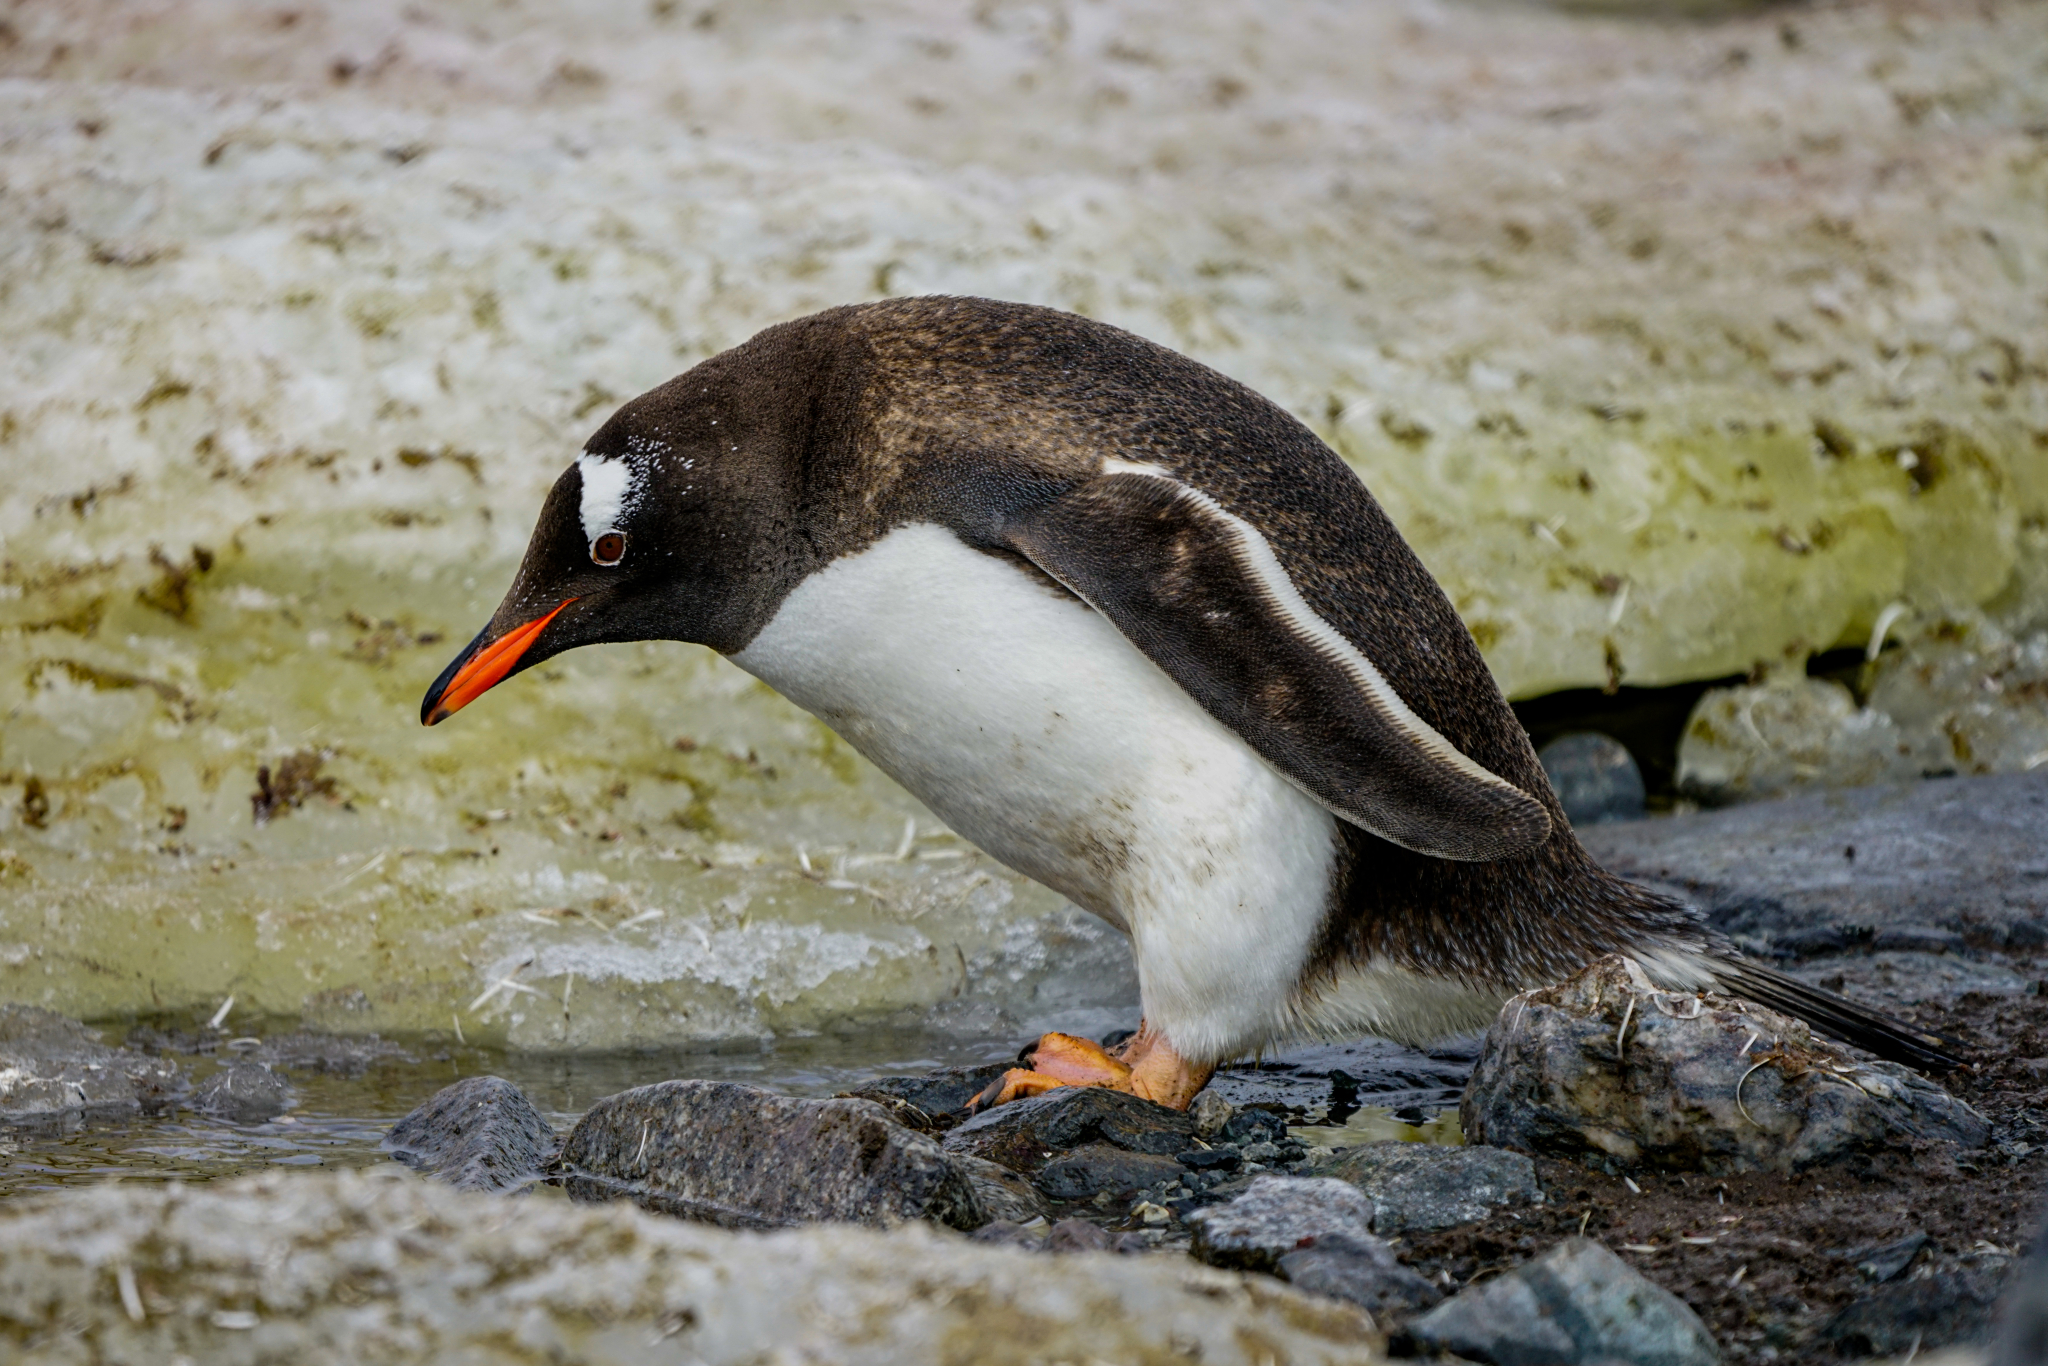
{"points": [[1026, 1134], [1606, 1069], [741, 1157], [1595, 778], [1275, 1216], [1363, 1271], [1422, 1187], [52, 1066], [481, 1134], [1576, 1303], [244, 1093]]}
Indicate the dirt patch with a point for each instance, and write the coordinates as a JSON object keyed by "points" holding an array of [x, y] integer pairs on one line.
{"points": [[1768, 1261], [297, 777]]}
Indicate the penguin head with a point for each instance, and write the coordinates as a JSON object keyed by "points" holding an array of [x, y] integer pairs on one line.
{"points": [[665, 528]]}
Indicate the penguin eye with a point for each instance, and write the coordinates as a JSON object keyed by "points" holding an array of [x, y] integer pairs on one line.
{"points": [[609, 548]]}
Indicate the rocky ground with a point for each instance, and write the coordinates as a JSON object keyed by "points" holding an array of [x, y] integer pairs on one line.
{"points": [[1645, 1175]]}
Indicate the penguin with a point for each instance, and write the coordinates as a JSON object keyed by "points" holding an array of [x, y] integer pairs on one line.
{"points": [[1138, 634]]}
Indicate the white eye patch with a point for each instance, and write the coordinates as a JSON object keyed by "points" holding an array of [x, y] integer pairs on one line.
{"points": [[607, 485]]}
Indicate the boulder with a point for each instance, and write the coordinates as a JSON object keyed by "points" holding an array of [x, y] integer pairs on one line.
{"points": [[1577, 1303], [1422, 1187], [244, 1092], [1275, 1216], [1096, 1168], [1363, 1271], [337, 1268], [1826, 872], [1607, 1069], [52, 1066], [1026, 1134], [481, 1134], [1327, 1083], [1946, 1309], [741, 1157]]}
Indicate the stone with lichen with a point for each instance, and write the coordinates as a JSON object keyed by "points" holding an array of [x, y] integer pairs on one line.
{"points": [[1607, 1069]]}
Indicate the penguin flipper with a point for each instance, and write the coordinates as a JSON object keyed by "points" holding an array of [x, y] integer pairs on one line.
{"points": [[1199, 591]]}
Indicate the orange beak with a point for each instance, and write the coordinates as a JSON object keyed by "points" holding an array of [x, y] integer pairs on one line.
{"points": [[475, 671]]}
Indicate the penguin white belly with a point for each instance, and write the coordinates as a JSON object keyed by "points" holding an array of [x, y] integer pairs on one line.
{"points": [[1034, 729]]}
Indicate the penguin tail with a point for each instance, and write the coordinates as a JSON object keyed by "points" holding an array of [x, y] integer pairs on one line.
{"points": [[1837, 1017]]}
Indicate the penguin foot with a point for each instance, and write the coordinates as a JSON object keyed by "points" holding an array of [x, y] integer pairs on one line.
{"points": [[1145, 1065]]}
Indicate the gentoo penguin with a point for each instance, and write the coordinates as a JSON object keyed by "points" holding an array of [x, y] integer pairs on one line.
{"points": [[1138, 634]]}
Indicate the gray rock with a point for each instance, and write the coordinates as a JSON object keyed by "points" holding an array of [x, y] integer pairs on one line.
{"points": [[1577, 1303], [1595, 778], [741, 1157], [1363, 1271], [334, 1054], [1420, 1187], [1025, 1134], [1275, 1216], [1331, 1081], [1942, 1310], [52, 1066], [933, 1102], [335, 1268], [1965, 855], [999, 1193], [1884, 1261], [1209, 1113], [1605, 1068], [1093, 1168], [1078, 1235], [481, 1134], [244, 1092], [2023, 1341]]}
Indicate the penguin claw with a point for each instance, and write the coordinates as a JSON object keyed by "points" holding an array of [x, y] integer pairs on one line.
{"points": [[1149, 1068]]}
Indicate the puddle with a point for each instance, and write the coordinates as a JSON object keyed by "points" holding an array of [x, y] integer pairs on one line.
{"points": [[339, 1120]]}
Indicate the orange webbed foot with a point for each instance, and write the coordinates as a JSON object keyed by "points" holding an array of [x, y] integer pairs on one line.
{"points": [[1144, 1065]]}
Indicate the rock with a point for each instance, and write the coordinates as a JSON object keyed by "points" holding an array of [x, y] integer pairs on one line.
{"points": [[934, 1102], [1327, 1083], [1577, 1303], [1096, 1167], [1209, 1113], [2023, 1341], [481, 1134], [999, 1193], [1595, 778], [1255, 1125], [1963, 855], [245, 1092], [1699, 1082], [1224, 1158], [53, 1066], [741, 1157], [1025, 1134], [333, 1268], [1421, 1187], [1276, 1215], [1078, 1235], [1362, 1270], [1942, 1310], [332, 1054], [1884, 1261]]}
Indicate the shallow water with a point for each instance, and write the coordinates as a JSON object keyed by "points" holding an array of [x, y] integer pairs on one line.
{"points": [[339, 1120]]}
